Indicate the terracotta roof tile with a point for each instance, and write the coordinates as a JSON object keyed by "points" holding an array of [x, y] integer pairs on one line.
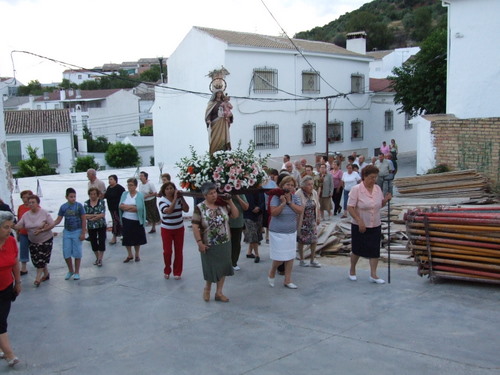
{"points": [[37, 121], [381, 85], [236, 38]]}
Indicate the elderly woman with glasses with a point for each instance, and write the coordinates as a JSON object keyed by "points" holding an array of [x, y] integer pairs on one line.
{"points": [[212, 234]]}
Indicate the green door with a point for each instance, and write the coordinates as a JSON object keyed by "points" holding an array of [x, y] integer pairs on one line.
{"points": [[50, 151]]}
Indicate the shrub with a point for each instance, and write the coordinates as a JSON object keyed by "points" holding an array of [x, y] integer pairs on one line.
{"points": [[34, 165], [120, 155], [83, 163]]}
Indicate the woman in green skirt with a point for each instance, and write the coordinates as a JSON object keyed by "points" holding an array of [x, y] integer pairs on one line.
{"points": [[212, 234]]}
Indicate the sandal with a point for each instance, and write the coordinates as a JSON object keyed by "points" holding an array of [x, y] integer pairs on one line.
{"points": [[45, 278], [96, 262], [36, 283], [221, 298], [99, 263], [137, 259], [128, 259], [12, 362]]}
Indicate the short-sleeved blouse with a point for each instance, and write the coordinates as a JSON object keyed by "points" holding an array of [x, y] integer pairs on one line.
{"points": [[337, 177], [99, 208], [33, 221], [214, 224], [367, 204], [286, 221]]}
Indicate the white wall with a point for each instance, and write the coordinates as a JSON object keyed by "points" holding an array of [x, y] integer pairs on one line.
{"points": [[426, 152], [64, 147], [473, 58], [5, 175], [80, 77], [117, 118], [406, 139], [179, 117], [382, 68]]}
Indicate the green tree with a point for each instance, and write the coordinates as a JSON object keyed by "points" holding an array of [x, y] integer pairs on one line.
{"points": [[34, 165], [420, 83], [422, 23], [90, 85], [83, 163], [120, 155], [67, 84], [151, 75], [146, 131], [378, 33], [100, 144], [34, 88]]}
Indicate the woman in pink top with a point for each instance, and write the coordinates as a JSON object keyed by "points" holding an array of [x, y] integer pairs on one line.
{"points": [[336, 173], [365, 201]]}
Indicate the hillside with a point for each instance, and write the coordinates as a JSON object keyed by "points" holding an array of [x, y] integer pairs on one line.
{"points": [[388, 23]]}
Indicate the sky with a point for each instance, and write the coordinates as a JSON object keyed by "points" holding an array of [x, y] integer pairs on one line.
{"points": [[91, 33]]}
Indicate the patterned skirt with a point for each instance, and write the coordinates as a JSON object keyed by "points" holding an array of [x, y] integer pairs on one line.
{"points": [[40, 253], [152, 214]]}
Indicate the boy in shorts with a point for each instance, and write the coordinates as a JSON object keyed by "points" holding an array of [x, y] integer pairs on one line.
{"points": [[74, 232]]}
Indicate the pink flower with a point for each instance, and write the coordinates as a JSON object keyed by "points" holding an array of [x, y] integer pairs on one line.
{"points": [[237, 185], [216, 175], [228, 188], [251, 182]]}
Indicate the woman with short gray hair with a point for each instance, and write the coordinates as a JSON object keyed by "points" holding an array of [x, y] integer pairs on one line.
{"points": [[212, 234]]}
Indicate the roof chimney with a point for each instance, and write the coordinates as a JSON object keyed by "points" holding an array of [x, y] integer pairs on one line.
{"points": [[356, 42]]}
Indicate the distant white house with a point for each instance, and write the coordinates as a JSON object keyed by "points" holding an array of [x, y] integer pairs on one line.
{"points": [[473, 58], [48, 130], [268, 82], [112, 113], [8, 87], [385, 61], [5, 172]]}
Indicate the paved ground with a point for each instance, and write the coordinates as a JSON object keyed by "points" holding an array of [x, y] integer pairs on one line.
{"points": [[127, 319]]}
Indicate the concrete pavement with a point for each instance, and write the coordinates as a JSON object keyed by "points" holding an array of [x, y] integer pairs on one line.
{"points": [[127, 319]]}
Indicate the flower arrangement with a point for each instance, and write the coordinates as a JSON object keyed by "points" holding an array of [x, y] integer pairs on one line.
{"points": [[229, 170]]}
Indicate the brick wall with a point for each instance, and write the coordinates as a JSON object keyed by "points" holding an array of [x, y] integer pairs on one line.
{"points": [[469, 144]]}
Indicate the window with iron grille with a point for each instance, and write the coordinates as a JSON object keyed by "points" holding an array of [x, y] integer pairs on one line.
{"points": [[389, 120], [408, 124], [335, 131], [310, 82], [357, 83], [266, 136], [357, 130], [309, 133], [265, 80]]}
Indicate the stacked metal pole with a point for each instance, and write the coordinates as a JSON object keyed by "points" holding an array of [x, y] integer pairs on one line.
{"points": [[456, 243]]}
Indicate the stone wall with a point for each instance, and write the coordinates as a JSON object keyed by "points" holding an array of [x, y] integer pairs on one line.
{"points": [[469, 144]]}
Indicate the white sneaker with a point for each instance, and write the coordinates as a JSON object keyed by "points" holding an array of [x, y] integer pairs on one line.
{"points": [[352, 277], [377, 281], [270, 281], [315, 264], [236, 268], [303, 264], [291, 286]]}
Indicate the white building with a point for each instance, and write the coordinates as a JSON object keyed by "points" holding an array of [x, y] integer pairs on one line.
{"points": [[48, 130], [79, 76], [268, 81], [473, 78], [112, 113], [385, 61], [5, 173]]}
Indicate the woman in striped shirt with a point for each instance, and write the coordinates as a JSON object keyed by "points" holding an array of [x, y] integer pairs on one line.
{"points": [[171, 206]]}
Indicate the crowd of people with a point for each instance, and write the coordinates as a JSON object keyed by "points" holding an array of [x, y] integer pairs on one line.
{"points": [[288, 210]]}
